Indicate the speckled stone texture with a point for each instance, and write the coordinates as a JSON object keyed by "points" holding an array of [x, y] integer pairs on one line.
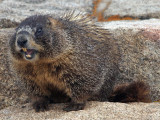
{"points": [[141, 9], [14, 11], [9, 90], [139, 45], [92, 111], [17, 10]]}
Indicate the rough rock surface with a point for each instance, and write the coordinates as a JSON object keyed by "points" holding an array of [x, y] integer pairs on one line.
{"points": [[6, 23], [92, 111], [16, 10], [142, 9], [9, 92], [139, 43]]}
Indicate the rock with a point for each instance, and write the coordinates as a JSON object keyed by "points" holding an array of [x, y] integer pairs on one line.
{"points": [[17, 10], [135, 9], [138, 41], [5, 23], [139, 44], [92, 111], [5, 78], [9, 90]]}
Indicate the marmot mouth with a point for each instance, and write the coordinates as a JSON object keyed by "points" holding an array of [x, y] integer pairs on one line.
{"points": [[29, 53]]}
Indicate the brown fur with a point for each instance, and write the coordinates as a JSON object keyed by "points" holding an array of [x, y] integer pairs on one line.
{"points": [[137, 91], [75, 60], [43, 71]]}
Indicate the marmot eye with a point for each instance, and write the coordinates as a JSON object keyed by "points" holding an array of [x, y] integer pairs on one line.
{"points": [[39, 31]]}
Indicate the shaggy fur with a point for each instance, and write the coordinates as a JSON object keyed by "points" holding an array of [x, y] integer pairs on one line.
{"points": [[65, 59], [137, 91]]}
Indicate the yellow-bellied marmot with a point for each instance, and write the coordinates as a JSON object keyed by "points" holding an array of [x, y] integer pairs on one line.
{"points": [[69, 58]]}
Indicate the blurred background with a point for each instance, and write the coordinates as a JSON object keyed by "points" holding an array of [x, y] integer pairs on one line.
{"points": [[13, 11]]}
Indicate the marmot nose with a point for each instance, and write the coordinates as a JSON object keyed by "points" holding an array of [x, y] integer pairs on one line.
{"points": [[22, 41]]}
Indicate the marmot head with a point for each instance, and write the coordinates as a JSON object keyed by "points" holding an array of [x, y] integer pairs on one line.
{"points": [[39, 37]]}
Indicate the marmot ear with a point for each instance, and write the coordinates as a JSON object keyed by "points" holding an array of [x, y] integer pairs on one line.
{"points": [[51, 22]]}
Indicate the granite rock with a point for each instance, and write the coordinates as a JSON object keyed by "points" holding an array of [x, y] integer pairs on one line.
{"points": [[136, 9], [17, 10], [139, 45], [92, 111]]}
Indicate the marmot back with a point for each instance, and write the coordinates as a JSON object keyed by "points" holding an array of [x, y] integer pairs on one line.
{"points": [[65, 59]]}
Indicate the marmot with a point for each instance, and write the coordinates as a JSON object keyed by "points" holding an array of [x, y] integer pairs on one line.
{"points": [[69, 59]]}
